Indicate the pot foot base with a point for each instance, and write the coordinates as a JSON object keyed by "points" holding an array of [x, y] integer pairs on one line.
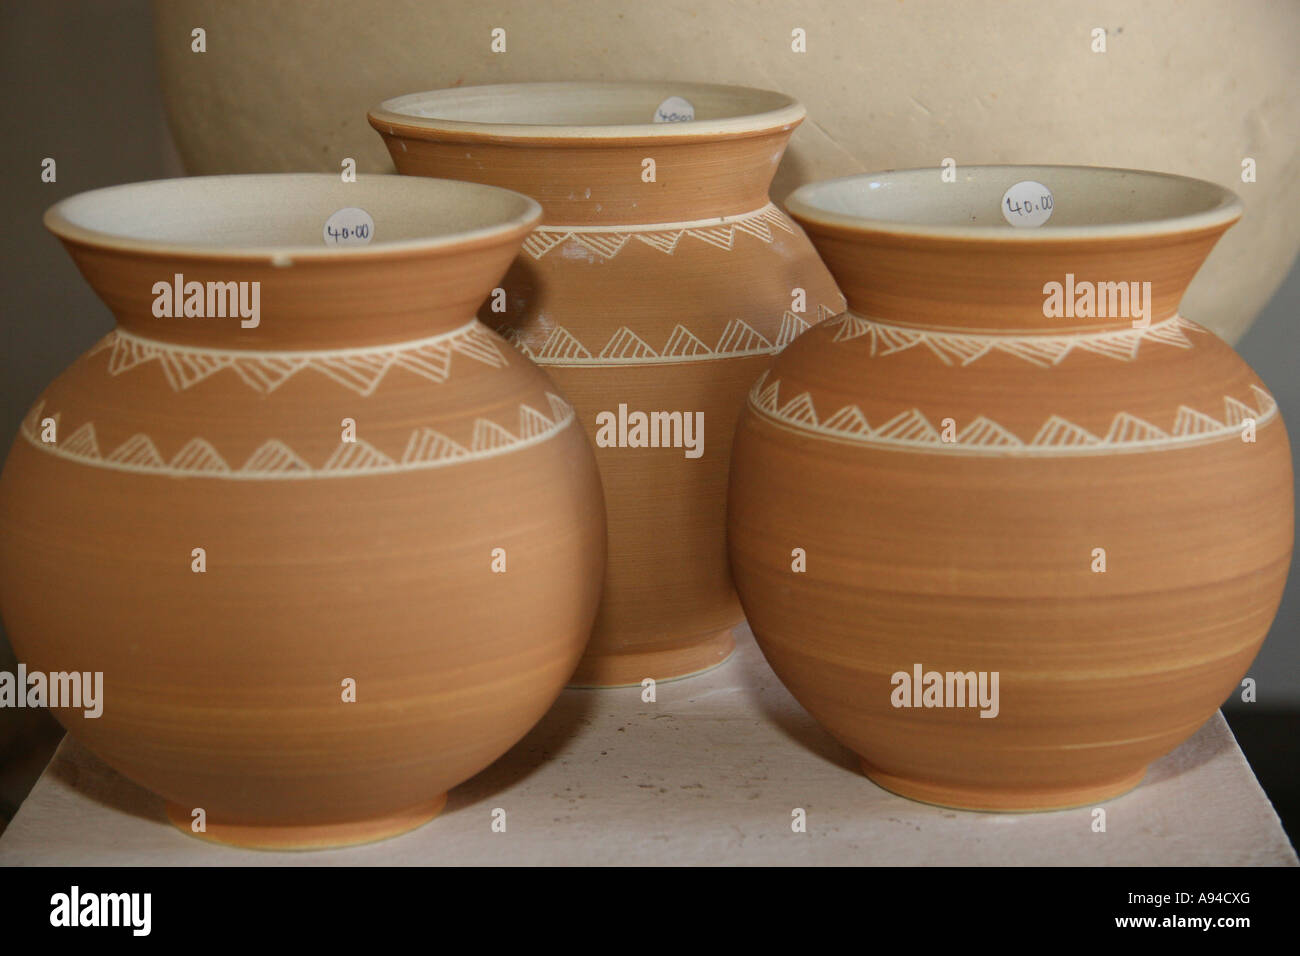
{"points": [[629, 670], [1002, 801], [309, 837]]}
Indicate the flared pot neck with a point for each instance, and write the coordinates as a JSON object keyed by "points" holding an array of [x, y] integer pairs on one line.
{"points": [[593, 154], [276, 263], [1110, 248], [1049, 287]]}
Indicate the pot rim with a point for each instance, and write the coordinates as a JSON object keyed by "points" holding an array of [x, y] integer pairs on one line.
{"points": [[822, 204], [87, 218], [770, 110]]}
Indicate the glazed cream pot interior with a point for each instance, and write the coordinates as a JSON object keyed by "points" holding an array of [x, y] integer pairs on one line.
{"points": [[287, 212], [1086, 202], [595, 110]]}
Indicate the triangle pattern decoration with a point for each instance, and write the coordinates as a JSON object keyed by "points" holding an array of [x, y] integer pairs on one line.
{"points": [[82, 441], [607, 242], [1059, 433], [665, 242], [738, 337], [561, 344], [849, 420], [532, 423], [791, 325], [627, 347], [540, 243], [683, 342], [1042, 349], [275, 459], [361, 369], [911, 430], [199, 456], [489, 436], [988, 433], [604, 245], [357, 455], [626, 344], [425, 444], [516, 338], [137, 452]]}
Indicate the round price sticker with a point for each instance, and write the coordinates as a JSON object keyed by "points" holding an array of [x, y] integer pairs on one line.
{"points": [[1027, 204], [674, 110], [349, 226]]}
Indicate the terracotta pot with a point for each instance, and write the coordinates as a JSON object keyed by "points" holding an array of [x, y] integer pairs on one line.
{"points": [[640, 294], [1193, 86], [983, 487], [327, 563]]}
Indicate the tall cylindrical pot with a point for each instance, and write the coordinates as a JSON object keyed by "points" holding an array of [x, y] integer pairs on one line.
{"points": [[658, 286]]}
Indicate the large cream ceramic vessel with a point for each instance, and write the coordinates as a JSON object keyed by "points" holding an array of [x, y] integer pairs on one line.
{"points": [[1192, 86]]}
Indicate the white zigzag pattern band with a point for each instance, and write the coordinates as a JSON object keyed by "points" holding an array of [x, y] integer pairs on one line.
{"points": [[912, 431], [1042, 349], [608, 241], [360, 369], [625, 347], [275, 460]]}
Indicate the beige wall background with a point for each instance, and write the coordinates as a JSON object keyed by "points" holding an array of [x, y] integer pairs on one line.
{"points": [[81, 87]]}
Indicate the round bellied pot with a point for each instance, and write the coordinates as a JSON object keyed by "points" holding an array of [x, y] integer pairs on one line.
{"points": [[1011, 527], [332, 545], [1199, 87], [658, 286]]}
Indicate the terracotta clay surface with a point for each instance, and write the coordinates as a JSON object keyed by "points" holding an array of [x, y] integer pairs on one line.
{"points": [[640, 295], [332, 563], [976, 487], [1192, 86]]}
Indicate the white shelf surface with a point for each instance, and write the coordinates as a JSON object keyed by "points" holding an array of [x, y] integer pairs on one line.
{"points": [[708, 774]]}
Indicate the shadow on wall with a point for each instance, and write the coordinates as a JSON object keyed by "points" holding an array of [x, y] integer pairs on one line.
{"points": [[27, 740], [84, 92]]}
